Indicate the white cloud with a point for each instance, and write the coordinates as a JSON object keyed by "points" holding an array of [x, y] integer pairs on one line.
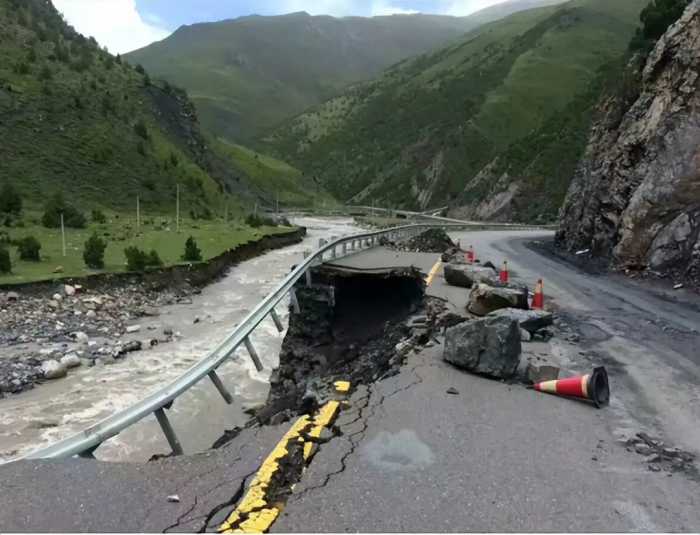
{"points": [[381, 8], [462, 8], [115, 24]]}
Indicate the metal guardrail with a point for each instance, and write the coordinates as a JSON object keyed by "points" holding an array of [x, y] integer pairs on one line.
{"points": [[87, 441]]}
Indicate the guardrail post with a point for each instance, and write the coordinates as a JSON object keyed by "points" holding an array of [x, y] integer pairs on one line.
{"points": [[228, 398], [253, 354], [345, 248], [88, 454], [168, 431], [333, 252], [277, 320], [307, 254], [294, 301]]}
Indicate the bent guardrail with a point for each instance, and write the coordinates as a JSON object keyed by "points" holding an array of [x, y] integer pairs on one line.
{"points": [[87, 441]]}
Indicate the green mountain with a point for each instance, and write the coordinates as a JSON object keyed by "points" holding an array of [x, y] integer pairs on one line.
{"points": [[493, 124], [75, 119], [249, 74]]}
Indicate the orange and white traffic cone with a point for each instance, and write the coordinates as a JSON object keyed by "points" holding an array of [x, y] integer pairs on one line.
{"points": [[538, 298], [503, 275], [469, 255], [593, 387]]}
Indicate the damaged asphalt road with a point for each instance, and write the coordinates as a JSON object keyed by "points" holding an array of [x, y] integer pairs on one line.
{"points": [[497, 457], [410, 454], [80, 495]]}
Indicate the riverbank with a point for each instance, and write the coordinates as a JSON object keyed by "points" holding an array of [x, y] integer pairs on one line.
{"points": [[199, 320], [51, 327]]}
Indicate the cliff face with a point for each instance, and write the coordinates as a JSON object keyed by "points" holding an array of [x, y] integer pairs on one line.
{"points": [[636, 195]]}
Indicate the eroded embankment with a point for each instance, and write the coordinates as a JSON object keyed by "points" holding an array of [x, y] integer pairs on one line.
{"points": [[199, 274], [351, 327]]}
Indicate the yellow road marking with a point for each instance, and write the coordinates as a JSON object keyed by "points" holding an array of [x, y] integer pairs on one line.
{"points": [[341, 386], [433, 272], [254, 514]]}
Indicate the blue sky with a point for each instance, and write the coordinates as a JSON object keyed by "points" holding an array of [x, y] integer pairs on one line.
{"points": [[125, 25]]}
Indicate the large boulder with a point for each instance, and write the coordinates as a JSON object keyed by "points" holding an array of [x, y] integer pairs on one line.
{"points": [[529, 320], [485, 299], [490, 346], [52, 369], [465, 276]]}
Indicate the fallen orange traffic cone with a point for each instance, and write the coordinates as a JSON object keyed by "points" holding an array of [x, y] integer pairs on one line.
{"points": [[469, 255], [593, 387], [538, 298], [503, 275]]}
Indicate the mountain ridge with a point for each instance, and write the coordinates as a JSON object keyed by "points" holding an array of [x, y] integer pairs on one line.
{"points": [[249, 74], [433, 129]]}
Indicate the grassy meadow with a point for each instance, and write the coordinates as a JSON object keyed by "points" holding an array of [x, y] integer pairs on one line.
{"points": [[155, 233]]}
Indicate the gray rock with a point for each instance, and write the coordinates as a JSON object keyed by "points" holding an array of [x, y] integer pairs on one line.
{"points": [[634, 197], [525, 336], [541, 371], [465, 276], [71, 361], [69, 290], [57, 297], [485, 299], [91, 314], [81, 337], [489, 346], [12, 296], [52, 369], [133, 329], [529, 320]]}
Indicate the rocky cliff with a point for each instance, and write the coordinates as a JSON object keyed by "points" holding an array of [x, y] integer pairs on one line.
{"points": [[635, 198]]}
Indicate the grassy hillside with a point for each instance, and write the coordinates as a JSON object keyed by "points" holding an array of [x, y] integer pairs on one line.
{"points": [[274, 180], [484, 124], [249, 74], [75, 119]]}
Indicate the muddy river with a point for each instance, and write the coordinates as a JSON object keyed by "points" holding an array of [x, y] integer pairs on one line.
{"points": [[58, 409]]}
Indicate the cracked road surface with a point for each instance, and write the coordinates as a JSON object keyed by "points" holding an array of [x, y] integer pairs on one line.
{"points": [[498, 457], [410, 457], [80, 495]]}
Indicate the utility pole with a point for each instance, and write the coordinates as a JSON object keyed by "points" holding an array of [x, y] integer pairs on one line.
{"points": [[138, 214], [277, 210], [63, 235], [177, 208]]}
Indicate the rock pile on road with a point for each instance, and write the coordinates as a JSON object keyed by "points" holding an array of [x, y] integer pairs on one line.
{"points": [[43, 336], [489, 346], [431, 241], [465, 275], [485, 299], [659, 456]]}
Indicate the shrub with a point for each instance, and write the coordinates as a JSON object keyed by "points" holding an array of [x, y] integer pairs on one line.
{"points": [[192, 252], [98, 217], [141, 129], [10, 200], [153, 260], [5, 262], [45, 73], [135, 259], [656, 18], [29, 248], [139, 69], [255, 220], [56, 206], [94, 252], [138, 260]]}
